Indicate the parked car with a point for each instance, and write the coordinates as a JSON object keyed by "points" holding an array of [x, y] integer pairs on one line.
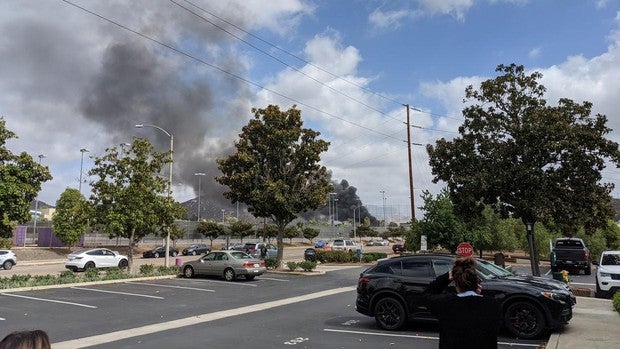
{"points": [[399, 247], [228, 264], [310, 254], [195, 249], [234, 247], [570, 254], [253, 249], [7, 259], [95, 258], [392, 292], [343, 245], [608, 274], [382, 242], [160, 251], [320, 244]]}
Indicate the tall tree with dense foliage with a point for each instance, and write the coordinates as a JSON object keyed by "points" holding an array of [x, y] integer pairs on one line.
{"points": [[526, 159], [210, 229], [241, 229], [70, 219], [130, 200], [20, 182], [440, 224], [275, 170]]}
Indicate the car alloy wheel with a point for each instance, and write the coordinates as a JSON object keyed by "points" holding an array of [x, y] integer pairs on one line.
{"points": [[229, 274], [524, 320], [156, 255], [173, 254], [193, 253], [7, 265], [123, 263], [188, 272], [390, 314], [89, 265]]}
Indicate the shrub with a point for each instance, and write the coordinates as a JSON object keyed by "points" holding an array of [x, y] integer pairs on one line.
{"points": [[147, 269], [6, 243], [292, 265], [616, 301], [68, 277], [115, 273], [271, 263], [91, 274], [307, 265]]}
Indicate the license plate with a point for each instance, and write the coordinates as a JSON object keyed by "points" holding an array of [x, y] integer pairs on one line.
{"points": [[256, 265]]}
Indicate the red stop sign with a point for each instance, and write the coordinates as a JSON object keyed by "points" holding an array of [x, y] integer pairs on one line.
{"points": [[464, 249]]}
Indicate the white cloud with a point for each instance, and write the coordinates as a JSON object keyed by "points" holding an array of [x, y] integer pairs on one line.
{"points": [[535, 52]]}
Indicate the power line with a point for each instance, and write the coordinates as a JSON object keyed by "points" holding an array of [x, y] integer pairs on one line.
{"points": [[199, 60], [279, 60]]}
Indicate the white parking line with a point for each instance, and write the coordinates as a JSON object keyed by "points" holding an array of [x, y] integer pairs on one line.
{"points": [[192, 320], [223, 282], [170, 286], [48, 300], [274, 279], [2, 319], [115, 292], [420, 337]]}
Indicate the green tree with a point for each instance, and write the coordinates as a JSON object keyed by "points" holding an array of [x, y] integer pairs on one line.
{"points": [[440, 224], [268, 232], [290, 233], [211, 230], [20, 182], [275, 170], [70, 219], [310, 233], [129, 199], [241, 229], [526, 159]]}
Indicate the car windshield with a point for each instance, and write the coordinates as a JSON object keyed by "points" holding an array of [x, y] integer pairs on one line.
{"points": [[490, 270], [240, 255], [610, 259], [338, 243]]}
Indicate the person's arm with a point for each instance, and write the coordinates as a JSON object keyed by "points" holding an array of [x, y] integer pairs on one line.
{"points": [[440, 284]]}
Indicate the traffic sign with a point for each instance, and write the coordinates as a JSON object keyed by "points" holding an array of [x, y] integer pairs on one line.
{"points": [[464, 249]]}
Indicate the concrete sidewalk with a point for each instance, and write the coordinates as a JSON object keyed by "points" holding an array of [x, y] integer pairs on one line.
{"points": [[595, 324]]}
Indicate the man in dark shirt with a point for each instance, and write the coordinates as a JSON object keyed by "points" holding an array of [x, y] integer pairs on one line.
{"points": [[466, 319]]}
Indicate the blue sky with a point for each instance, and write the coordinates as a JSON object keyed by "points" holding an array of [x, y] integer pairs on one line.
{"points": [[72, 80]]}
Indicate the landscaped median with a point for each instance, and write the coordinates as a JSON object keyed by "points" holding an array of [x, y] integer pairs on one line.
{"points": [[93, 275]]}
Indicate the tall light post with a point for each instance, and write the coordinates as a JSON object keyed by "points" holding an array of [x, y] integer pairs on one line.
{"points": [[383, 195], [36, 204], [223, 211], [358, 213], [83, 150], [200, 175], [167, 263], [331, 209]]}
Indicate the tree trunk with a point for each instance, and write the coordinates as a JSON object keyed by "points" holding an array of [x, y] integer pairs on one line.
{"points": [[130, 253]]}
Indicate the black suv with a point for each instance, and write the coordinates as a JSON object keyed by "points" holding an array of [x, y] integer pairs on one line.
{"points": [[393, 293]]}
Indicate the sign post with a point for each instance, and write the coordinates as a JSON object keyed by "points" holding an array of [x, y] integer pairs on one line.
{"points": [[464, 249]]}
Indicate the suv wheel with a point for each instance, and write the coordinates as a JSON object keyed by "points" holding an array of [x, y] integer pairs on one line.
{"points": [[524, 320], [7, 265], [588, 270], [390, 314], [599, 293], [188, 272]]}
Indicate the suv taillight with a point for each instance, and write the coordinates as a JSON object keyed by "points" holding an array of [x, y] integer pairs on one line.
{"points": [[363, 280]]}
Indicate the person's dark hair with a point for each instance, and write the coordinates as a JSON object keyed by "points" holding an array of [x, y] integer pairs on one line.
{"points": [[36, 339], [464, 274]]}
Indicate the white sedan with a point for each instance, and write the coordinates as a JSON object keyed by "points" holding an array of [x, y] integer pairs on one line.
{"points": [[95, 258]]}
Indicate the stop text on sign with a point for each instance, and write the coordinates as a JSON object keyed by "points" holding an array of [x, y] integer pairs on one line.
{"points": [[464, 249]]}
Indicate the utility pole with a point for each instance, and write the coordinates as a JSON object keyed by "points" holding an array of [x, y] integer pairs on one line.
{"points": [[410, 166]]}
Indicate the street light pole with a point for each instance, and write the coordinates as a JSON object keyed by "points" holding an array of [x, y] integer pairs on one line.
{"points": [[383, 195], [199, 174], [167, 262], [36, 204], [331, 209], [83, 150]]}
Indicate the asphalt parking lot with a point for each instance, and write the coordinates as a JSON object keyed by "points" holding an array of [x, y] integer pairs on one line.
{"points": [[276, 310]]}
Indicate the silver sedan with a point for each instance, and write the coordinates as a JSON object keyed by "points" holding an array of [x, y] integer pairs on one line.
{"points": [[228, 264]]}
